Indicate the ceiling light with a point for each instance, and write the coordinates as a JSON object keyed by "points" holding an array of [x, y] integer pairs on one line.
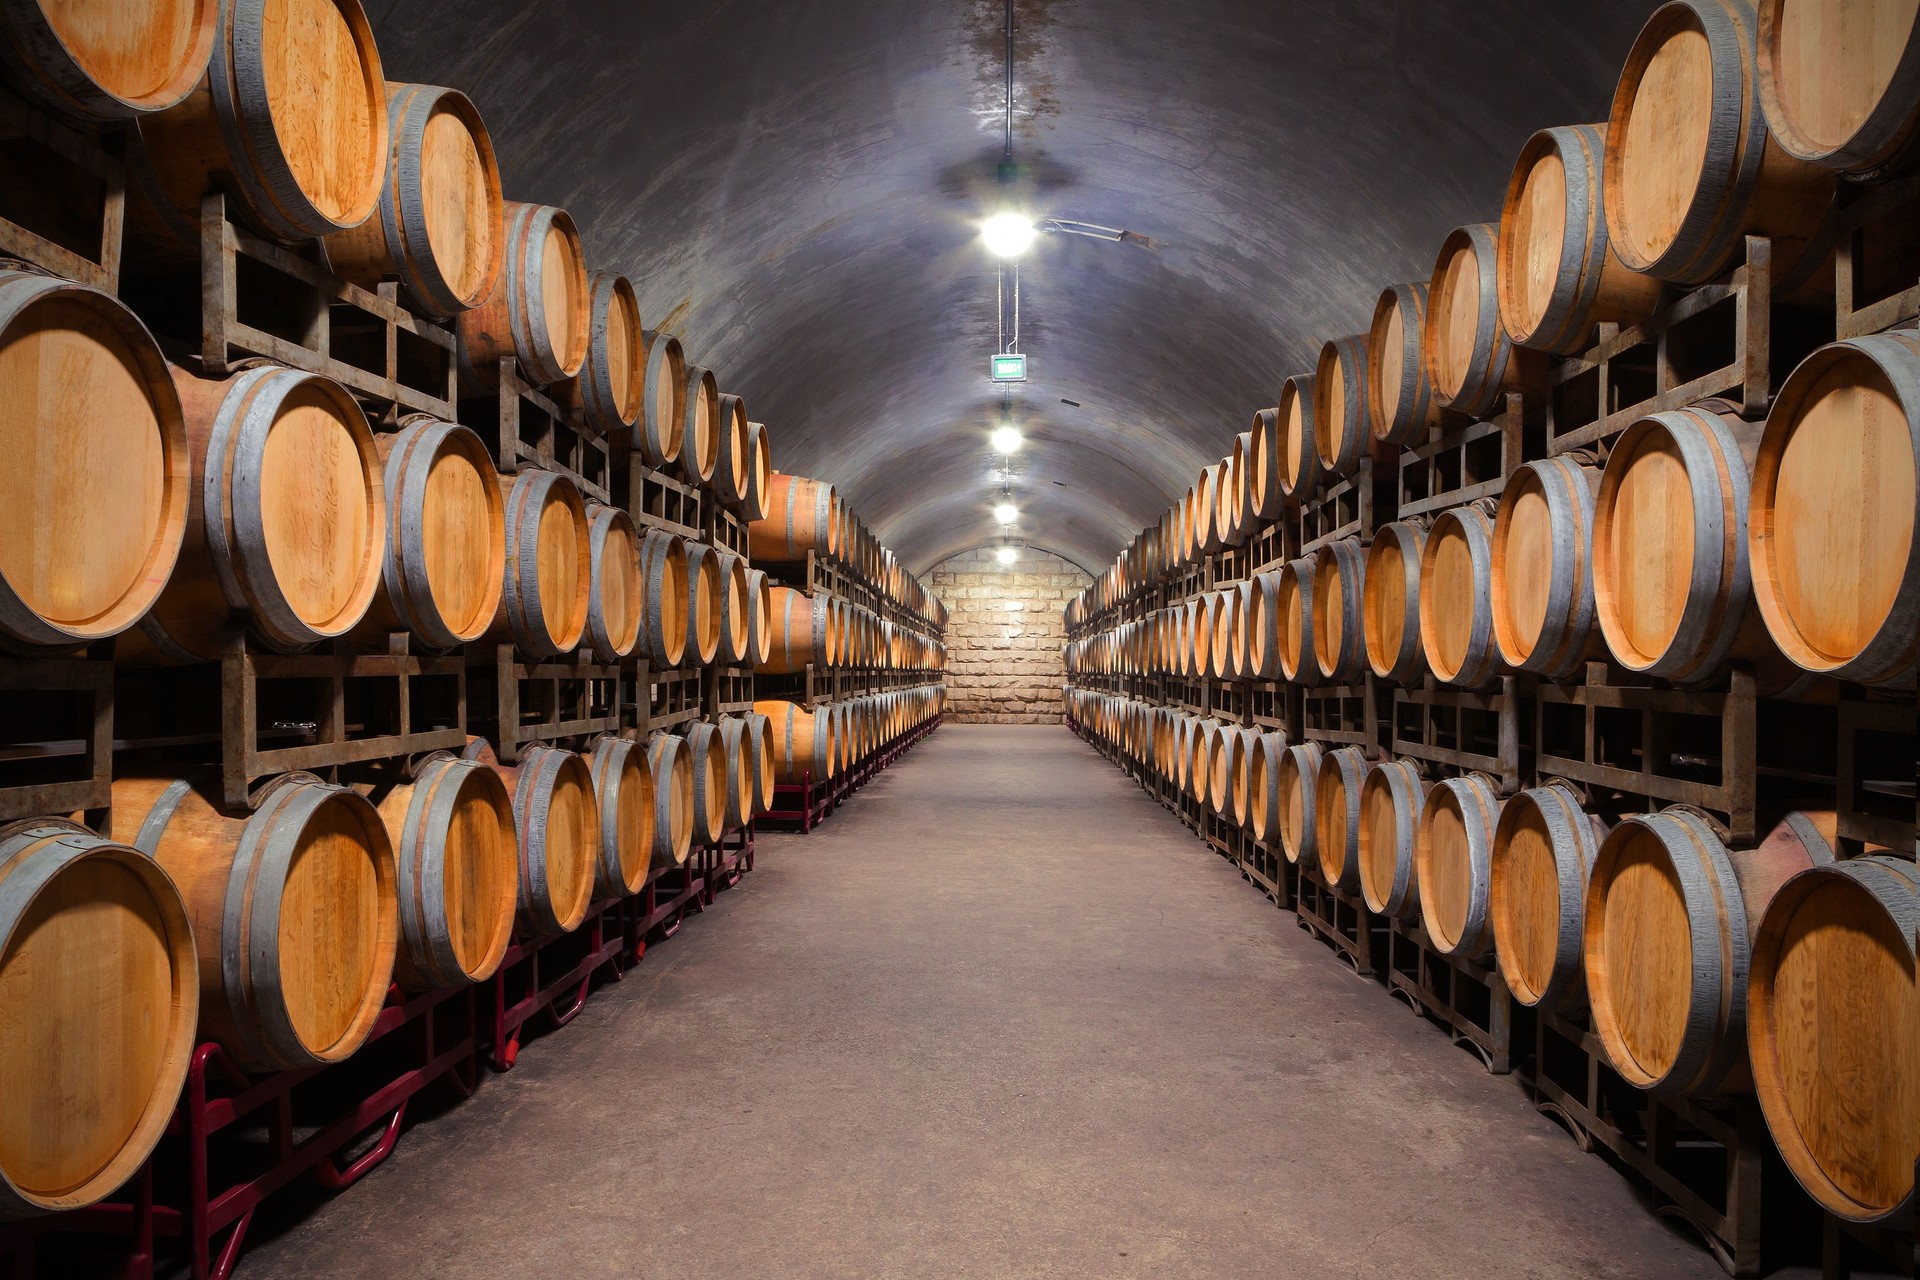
{"points": [[1005, 513], [1007, 555], [1007, 235], [1006, 440]]}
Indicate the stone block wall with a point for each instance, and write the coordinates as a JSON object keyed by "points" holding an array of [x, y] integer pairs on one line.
{"points": [[1004, 634]]}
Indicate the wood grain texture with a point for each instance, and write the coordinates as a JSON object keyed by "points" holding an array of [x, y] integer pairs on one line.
{"points": [[1543, 854], [1840, 80], [111, 60]]}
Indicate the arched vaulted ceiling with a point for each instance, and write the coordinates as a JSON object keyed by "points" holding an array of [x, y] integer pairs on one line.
{"points": [[795, 186]]}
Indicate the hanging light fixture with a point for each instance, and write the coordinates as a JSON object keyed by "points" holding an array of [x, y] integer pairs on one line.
{"points": [[1007, 235], [1005, 513], [1006, 440], [1007, 554]]}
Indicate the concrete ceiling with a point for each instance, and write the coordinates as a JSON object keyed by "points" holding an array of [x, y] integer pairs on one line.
{"points": [[795, 186]]}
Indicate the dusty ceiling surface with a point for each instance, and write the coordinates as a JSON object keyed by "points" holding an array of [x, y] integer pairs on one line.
{"points": [[795, 188]]}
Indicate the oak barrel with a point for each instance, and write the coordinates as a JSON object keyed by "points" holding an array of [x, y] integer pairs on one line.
{"points": [[1840, 81], [800, 631], [623, 787], [663, 584], [1456, 596], [742, 792], [1390, 602], [441, 225], [1691, 166], [557, 828], [1833, 1017], [1669, 933], [1263, 786], [1453, 863], [93, 424], [1341, 427], [1337, 787], [1297, 450], [804, 744], [1298, 772], [610, 389], [736, 611], [304, 155], [457, 865], [1400, 404], [1470, 360], [1391, 800], [671, 767], [539, 312], [99, 991], [445, 563], [1834, 533], [1263, 465], [799, 519], [1293, 623], [700, 427], [293, 911], [733, 473], [661, 430], [759, 619], [298, 538], [1670, 571], [107, 61], [1339, 632], [760, 747], [707, 754], [1543, 853], [1556, 273], [753, 505], [703, 604], [1542, 577], [549, 571], [615, 598]]}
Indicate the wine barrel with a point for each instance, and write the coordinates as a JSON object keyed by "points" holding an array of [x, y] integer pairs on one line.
{"points": [[703, 604], [557, 824], [615, 600], [1668, 936], [799, 519], [1199, 657], [736, 604], [1832, 1021], [95, 65], [1542, 576], [1263, 465], [1263, 786], [1184, 727], [759, 619], [1470, 361], [671, 767], [610, 389], [1544, 848], [1245, 606], [1341, 427], [1228, 768], [441, 225], [800, 631], [753, 506], [1246, 757], [1231, 499], [1293, 623], [1453, 864], [663, 583], [1840, 83], [1833, 538], [539, 312], [623, 788], [446, 537], [1456, 596], [1209, 537], [1670, 578], [1391, 800], [1294, 784], [1336, 816], [1400, 406], [1297, 451], [1262, 620], [99, 992], [1691, 165], [1339, 632], [733, 473], [700, 428], [549, 573], [303, 154], [94, 423], [742, 794], [293, 912], [1220, 609], [804, 744], [452, 830], [299, 536], [760, 748], [660, 432], [1556, 274], [1390, 602]]}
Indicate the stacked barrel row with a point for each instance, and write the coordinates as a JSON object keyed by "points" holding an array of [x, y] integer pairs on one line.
{"points": [[1683, 545], [166, 512], [855, 649]]}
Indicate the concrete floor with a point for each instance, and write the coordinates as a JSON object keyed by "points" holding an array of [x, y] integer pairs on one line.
{"points": [[1002, 1016]]}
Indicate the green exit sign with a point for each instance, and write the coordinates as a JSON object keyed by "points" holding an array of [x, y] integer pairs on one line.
{"points": [[1010, 368]]}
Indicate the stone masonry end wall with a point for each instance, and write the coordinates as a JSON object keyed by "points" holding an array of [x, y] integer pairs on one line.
{"points": [[1004, 634]]}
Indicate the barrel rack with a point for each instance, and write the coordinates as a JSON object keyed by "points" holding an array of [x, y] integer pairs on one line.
{"points": [[93, 166]]}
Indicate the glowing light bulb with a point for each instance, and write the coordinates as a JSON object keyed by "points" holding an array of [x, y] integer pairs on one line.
{"points": [[1007, 555], [1006, 440], [1007, 235], [1005, 513]]}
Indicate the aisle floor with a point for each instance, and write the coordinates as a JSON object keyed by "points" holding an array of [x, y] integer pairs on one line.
{"points": [[1001, 1016]]}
